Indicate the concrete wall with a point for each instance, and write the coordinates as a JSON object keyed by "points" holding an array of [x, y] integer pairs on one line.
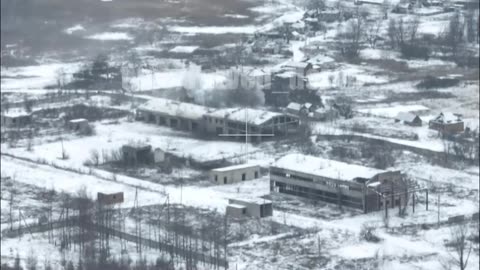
{"points": [[254, 209], [234, 176], [235, 212], [171, 121], [448, 128]]}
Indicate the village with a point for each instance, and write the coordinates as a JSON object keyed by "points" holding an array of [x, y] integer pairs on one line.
{"points": [[315, 134]]}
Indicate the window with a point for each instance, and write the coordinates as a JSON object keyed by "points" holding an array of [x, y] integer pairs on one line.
{"points": [[225, 180], [216, 178], [256, 174], [243, 176]]}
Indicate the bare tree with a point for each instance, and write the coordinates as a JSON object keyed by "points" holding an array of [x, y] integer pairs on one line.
{"points": [[386, 8], [454, 34], [353, 37], [372, 30], [462, 247], [316, 5]]}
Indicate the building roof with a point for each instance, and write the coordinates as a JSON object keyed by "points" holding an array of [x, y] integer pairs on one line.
{"points": [[254, 116], [79, 120], [175, 108], [294, 106], [16, 112], [294, 64], [235, 167], [325, 167], [254, 200], [136, 145], [406, 116], [447, 118], [238, 206]]}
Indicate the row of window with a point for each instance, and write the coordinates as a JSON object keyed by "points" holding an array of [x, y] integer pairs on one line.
{"points": [[332, 184], [317, 194]]}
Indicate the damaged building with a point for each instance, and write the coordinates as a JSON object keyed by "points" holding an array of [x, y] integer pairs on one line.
{"points": [[336, 182]]}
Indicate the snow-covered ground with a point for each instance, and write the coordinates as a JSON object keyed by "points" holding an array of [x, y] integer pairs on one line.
{"points": [[114, 36]]}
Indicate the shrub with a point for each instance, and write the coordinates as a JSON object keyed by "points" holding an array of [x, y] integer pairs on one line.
{"points": [[434, 82], [415, 51], [368, 233]]}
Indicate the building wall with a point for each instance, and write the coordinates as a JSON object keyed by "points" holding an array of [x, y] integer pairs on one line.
{"points": [[280, 126], [170, 121], [19, 121], [258, 210], [236, 212], [234, 176], [450, 128], [314, 187]]}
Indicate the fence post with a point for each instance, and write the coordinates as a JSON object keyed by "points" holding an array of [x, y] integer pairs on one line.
{"points": [[426, 199]]}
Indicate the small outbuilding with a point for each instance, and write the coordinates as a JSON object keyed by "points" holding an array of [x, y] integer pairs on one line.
{"points": [[78, 125], [109, 199], [235, 174], [15, 119], [137, 153], [409, 119], [158, 155], [251, 207]]}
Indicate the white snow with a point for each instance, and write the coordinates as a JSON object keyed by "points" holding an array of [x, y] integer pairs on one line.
{"points": [[75, 28], [184, 49], [214, 30], [111, 36], [392, 111], [325, 167]]}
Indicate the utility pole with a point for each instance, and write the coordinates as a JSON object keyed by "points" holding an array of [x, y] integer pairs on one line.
{"points": [[438, 210]]}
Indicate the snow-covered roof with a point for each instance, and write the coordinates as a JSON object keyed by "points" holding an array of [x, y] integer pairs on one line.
{"points": [[294, 106], [79, 120], [184, 49], [255, 200], [237, 206], [325, 167], [15, 113], [286, 74], [254, 116], [308, 105], [235, 167], [175, 108], [406, 116], [137, 145], [257, 72], [448, 118], [294, 64]]}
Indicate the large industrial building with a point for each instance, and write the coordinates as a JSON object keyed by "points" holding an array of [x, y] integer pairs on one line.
{"points": [[232, 122], [337, 182]]}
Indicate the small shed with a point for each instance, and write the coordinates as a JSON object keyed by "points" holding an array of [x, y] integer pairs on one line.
{"points": [[300, 68], [294, 108], [158, 155], [235, 174], [109, 199], [15, 119], [409, 119], [137, 153], [78, 125], [252, 207]]}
